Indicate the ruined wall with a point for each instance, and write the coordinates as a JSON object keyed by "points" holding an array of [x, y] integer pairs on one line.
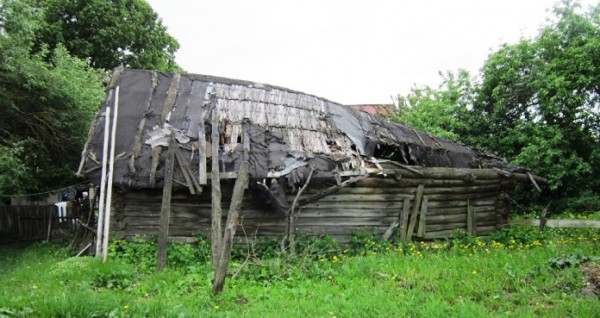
{"points": [[451, 199]]}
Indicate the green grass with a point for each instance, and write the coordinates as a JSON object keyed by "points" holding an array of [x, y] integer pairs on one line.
{"points": [[508, 275]]}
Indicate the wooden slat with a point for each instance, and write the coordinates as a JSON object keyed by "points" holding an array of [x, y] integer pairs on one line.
{"points": [[423, 217], [202, 174], [413, 215], [404, 221]]}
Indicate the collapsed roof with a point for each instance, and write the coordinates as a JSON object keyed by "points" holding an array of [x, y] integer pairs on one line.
{"points": [[285, 132]]}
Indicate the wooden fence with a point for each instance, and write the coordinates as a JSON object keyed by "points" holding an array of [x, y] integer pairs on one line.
{"points": [[35, 222]]}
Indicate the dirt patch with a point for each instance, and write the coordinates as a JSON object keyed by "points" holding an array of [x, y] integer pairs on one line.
{"points": [[592, 273]]}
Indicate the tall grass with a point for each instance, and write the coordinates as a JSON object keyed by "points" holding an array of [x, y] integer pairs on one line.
{"points": [[513, 273]]}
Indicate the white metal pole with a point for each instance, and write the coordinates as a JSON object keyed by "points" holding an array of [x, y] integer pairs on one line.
{"points": [[111, 172], [101, 204]]}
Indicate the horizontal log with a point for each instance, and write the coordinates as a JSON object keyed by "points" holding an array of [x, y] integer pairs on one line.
{"points": [[487, 201], [481, 230], [451, 218], [364, 197], [459, 210], [446, 226], [358, 205], [464, 197], [459, 225], [466, 174], [392, 182]]}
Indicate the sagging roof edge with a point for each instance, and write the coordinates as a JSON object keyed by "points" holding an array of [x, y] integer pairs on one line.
{"points": [[373, 120]]}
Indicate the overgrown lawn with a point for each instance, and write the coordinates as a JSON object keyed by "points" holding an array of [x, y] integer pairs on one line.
{"points": [[517, 272]]}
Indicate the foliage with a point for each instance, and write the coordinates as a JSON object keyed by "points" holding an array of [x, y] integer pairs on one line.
{"points": [[141, 252], [536, 103], [47, 100], [439, 111], [108, 33], [365, 242], [572, 260]]}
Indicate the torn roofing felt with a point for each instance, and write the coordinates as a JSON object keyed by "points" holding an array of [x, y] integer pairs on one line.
{"points": [[285, 132]]}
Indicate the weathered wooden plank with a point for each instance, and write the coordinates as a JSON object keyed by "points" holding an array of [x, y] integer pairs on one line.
{"points": [[154, 165], [404, 219], [327, 192], [423, 216], [464, 174], [202, 174], [402, 189], [470, 218], [487, 201], [230, 228], [450, 218], [415, 209], [184, 171], [458, 210], [456, 225], [171, 97], [378, 182], [447, 233], [165, 209], [215, 237]]}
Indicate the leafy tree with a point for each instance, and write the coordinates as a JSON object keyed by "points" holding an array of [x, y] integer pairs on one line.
{"points": [[539, 100], [107, 32], [47, 100], [537, 104], [439, 111]]}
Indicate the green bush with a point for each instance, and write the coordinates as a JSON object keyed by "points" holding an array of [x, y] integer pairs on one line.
{"points": [[113, 275]]}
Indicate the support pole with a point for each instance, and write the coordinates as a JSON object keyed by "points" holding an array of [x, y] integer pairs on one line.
{"points": [[232, 221], [101, 205], [111, 172], [165, 208], [215, 238]]}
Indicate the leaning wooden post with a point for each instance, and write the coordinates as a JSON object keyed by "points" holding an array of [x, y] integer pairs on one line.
{"points": [[165, 208], [111, 173], [543, 218], [215, 181], [102, 204], [232, 221]]}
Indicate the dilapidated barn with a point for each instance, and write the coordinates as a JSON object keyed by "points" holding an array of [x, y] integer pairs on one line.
{"points": [[363, 171]]}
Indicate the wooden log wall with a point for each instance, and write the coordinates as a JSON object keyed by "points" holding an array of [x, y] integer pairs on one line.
{"points": [[373, 203]]}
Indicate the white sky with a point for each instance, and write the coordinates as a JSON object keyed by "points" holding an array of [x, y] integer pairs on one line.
{"points": [[350, 51]]}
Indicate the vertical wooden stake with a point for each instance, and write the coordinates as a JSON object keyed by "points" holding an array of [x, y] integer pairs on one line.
{"points": [[232, 221], [165, 208], [49, 224], [423, 217], [404, 219], [469, 217], [215, 181]]}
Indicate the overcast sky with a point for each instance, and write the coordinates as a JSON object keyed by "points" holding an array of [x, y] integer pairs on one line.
{"points": [[351, 52]]}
